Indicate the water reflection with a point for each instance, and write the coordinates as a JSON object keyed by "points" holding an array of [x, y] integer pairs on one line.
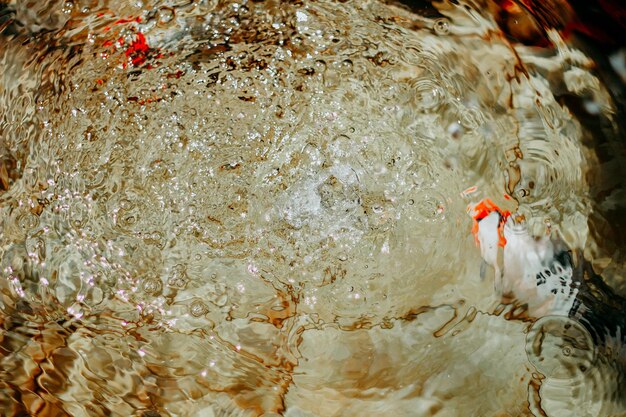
{"points": [[252, 208]]}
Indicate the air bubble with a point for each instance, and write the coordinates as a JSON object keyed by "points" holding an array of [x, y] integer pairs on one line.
{"points": [[346, 66], [152, 286], [320, 66], [165, 15], [429, 96], [441, 26], [198, 308], [27, 221], [178, 277]]}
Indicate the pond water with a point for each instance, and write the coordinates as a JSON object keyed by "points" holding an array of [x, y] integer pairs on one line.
{"points": [[306, 208]]}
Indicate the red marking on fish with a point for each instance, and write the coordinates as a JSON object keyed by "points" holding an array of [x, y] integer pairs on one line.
{"points": [[129, 20], [510, 6], [483, 209], [137, 50]]}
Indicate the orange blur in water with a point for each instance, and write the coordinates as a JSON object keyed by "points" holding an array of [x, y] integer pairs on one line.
{"points": [[483, 209]]}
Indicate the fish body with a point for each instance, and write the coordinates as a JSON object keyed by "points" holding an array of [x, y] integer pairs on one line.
{"points": [[547, 276], [533, 270]]}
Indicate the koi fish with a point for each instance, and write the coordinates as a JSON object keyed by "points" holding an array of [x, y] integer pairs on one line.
{"points": [[546, 275], [536, 271]]}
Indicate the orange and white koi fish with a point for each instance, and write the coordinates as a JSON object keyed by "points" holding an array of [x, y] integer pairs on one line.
{"points": [[536, 271], [550, 278]]}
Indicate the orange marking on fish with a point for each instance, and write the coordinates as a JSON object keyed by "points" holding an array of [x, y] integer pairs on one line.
{"points": [[510, 6], [129, 20], [138, 49], [483, 209]]}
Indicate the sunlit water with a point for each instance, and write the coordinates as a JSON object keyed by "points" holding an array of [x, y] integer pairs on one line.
{"points": [[244, 209]]}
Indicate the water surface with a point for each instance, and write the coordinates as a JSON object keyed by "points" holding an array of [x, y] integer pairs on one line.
{"points": [[262, 208]]}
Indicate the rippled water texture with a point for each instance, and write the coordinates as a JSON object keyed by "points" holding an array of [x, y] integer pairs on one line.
{"points": [[258, 208]]}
